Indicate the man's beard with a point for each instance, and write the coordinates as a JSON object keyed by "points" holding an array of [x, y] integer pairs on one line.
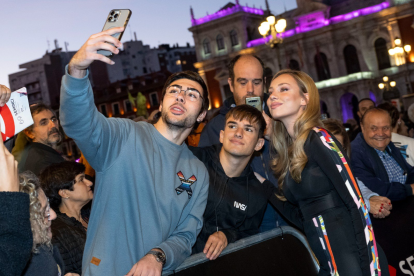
{"points": [[50, 142], [182, 124]]}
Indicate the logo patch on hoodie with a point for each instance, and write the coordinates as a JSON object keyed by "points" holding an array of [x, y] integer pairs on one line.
{"points": [[185, 184], [240, 206]]}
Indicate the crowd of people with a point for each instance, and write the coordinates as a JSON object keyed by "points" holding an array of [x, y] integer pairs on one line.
{"points": [[155, 200]]}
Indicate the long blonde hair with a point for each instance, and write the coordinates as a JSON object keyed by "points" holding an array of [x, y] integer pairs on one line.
{"points": [[290, 154], [29, 184]]}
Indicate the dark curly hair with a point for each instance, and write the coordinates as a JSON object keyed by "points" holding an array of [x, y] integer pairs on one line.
{"points": [[393, 111], [57, 177]]}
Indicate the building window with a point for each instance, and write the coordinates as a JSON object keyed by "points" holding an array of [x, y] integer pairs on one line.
{"points": [[128, 106], [103, 110], [154, 99], [178, 62], [206, 46], [233, 37], [351, 59], [130, 86], [220, 42], [144, 69], [115, 109], [294, 65], [322, 67], [118, 90], [382, 54]]}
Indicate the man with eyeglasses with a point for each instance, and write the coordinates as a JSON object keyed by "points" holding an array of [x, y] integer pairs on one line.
{"points": [[151, 191], [44, 137]]}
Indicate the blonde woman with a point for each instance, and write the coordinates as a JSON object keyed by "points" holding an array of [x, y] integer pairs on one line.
{"points": [[313, 174]]}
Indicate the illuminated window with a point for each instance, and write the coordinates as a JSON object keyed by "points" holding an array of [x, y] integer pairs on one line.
{"points": [[115, 109], [233, 37], [294, 65], [322, 67], [128, 106], [351, 59], [154, 99], [206, 46], [220, 42], [382, 54], [103, 110]]}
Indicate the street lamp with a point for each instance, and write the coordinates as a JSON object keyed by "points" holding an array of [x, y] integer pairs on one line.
{"points": [[401, 55], [276, 29], [390, 93]]}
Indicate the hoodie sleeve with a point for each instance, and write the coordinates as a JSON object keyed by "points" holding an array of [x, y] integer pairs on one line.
{"points": [[99, 138]]}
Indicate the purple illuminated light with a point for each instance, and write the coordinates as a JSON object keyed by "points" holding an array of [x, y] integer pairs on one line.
{"points": [[313, 21], [226, 12]]}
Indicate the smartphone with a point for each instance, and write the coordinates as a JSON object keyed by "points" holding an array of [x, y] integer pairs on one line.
{"points": [[255, 102], [116, 18]]}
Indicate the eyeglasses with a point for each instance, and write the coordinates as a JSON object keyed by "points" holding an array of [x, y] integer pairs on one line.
{"points": [[190, 94]]}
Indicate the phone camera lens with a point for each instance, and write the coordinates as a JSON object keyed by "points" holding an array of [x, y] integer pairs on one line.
{"points": [[116, 15], [110, 18], [112, 13]]}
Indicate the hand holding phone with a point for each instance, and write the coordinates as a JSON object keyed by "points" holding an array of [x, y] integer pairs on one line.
{"points": [[255, 102], [106, 40], [116, 18]]}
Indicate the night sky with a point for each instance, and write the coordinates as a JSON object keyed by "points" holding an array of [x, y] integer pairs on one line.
{"points": [[26, 26]]}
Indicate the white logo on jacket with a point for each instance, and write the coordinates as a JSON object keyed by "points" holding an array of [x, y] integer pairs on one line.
{"points": [[240, 206]]}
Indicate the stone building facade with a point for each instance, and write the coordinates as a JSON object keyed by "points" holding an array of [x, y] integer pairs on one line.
{"points": [[342, 44]]}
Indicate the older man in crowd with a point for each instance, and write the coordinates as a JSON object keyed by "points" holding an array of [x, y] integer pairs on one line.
{"points": [[377, 162], [44, 135]]}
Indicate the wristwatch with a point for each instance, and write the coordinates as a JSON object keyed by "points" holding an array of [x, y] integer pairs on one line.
{"points": [[159, 256]]}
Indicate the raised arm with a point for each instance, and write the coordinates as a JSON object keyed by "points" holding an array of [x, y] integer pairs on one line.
{"points": [[15, 230], [287, 209], [98, 138]]}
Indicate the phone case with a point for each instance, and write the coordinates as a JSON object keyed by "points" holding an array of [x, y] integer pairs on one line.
{"points": [[255, 102], [113, 21]]}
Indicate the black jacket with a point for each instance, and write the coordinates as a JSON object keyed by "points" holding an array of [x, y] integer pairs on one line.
{"points": [[69, 236], [47, 262], [235, 205], [15, 233], [37, 156], [368, 167]]}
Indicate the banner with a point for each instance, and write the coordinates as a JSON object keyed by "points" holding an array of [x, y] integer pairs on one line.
{"points": [[15, 115]]}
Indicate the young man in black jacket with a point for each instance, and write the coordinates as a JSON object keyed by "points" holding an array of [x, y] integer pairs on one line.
{"points": [[237, 200]]}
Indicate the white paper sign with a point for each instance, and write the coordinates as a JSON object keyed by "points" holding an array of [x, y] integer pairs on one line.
{"points": [[15, 115]]}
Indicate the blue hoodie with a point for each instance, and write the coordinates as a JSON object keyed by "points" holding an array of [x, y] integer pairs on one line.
{"points": [[150, 192]]}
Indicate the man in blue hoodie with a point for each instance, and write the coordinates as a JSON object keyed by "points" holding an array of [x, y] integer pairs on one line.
{"points": [[151, 191], [246, 79]]}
